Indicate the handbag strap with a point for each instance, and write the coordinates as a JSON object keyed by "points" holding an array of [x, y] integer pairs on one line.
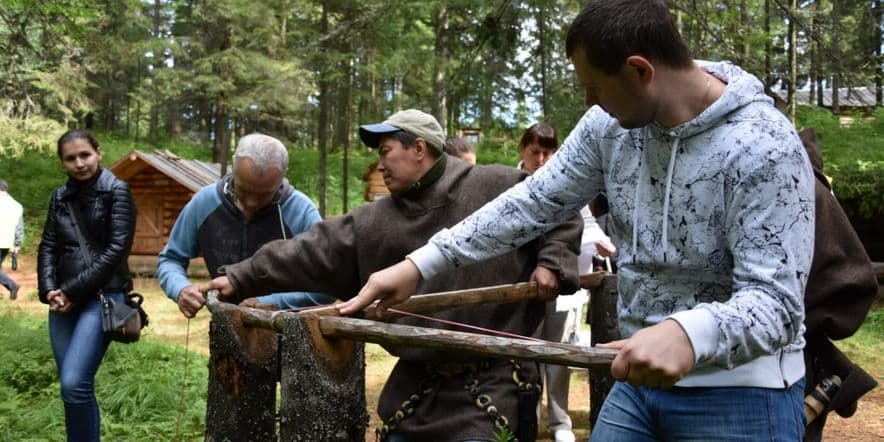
{"points": [[81, 238]]}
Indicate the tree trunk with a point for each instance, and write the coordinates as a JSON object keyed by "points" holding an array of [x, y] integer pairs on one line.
{"points": [[542, 48], [157, 64], [323, 385], [767, 48], [243, 370], [836, 55], [817, 24], [814, 53], [745, 29], [343, 115], [440, 76], [174, 126], [793, 59], [878, 38], [222, 135], [322, 132], [154, 122], [604, 327], [486, 102]]}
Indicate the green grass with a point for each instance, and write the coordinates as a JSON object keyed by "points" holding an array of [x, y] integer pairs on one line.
{"points": [[137, 386], [866, 347]]}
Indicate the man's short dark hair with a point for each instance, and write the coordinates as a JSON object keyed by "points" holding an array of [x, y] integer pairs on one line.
{"points": [[407, 139], [610, 31]]}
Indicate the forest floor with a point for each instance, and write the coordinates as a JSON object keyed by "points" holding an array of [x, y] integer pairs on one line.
{"points": [[168, 325]]}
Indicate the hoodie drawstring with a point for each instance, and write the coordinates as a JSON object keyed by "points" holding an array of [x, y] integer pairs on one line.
{"points": [[666, 196], [638, 192], [642, 178], [281, 223]]}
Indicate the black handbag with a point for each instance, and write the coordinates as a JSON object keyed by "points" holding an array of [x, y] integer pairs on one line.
{"points": [[123, 321], [120, 321]]}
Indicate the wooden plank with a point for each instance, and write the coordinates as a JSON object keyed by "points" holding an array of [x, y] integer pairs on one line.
{"points": [[596, 360], [430, 302]]}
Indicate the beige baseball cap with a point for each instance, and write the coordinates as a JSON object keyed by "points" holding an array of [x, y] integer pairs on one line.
{"points": [[413, 121]]}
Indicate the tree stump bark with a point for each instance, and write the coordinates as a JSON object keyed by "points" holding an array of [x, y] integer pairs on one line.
{"points": [[243, 371], [323, 384], [603, 328]]}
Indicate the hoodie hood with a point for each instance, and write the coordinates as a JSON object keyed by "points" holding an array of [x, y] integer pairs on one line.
{"points": [[741, 90]]}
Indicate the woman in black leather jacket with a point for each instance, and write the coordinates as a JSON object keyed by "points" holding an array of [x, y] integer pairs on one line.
{"points": [[71, 286]]}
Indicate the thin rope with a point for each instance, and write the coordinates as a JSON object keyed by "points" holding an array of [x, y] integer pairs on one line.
{"points": [[469, 327], [183, 384], [441, 321], [304, 309]]}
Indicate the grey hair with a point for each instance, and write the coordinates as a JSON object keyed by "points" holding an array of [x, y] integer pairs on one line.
{"points": [[264, 151], [4, 186]]}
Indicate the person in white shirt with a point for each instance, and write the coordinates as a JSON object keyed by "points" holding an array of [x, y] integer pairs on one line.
{"points": [[12, 231]]}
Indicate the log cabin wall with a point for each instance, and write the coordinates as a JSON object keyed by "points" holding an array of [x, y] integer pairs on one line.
{"points": [[374, 183], [159, 200]]}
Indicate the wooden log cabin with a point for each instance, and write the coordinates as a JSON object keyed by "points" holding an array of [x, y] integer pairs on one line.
{"points": [[162, 183], [374, 183]]}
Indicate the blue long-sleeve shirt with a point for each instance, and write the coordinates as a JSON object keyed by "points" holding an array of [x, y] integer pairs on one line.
{"points": [[212, 226]]}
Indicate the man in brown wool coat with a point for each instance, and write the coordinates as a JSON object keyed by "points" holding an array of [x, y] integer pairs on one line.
{"points": [[430, 191]]}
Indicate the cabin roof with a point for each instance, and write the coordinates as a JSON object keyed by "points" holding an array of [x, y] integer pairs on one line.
{"points": [[192, 174], [858, 97]]}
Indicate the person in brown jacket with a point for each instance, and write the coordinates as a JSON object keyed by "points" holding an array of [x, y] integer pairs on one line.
{"points": [[841, 288], [429, 191]]}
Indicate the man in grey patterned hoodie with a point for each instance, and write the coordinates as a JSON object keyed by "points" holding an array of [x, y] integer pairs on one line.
{"points": [[713, 197]]}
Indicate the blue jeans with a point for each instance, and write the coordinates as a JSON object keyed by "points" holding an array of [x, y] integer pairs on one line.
{"points": [[5, 280], [79, 344], [287, 300], [702, 414]]}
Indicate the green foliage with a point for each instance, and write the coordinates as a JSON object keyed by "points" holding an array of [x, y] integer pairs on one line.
{"points": [[304, 175], [22, 134], [138, 388], [861, 188], [504, 435], [853, 156]]}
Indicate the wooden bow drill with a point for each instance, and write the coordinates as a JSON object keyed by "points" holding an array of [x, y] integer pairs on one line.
{"points": [[329, 324]]}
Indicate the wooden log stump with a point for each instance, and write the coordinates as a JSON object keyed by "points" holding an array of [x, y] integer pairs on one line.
{"points": [[243, 371], [603, 328], [323, 384]]}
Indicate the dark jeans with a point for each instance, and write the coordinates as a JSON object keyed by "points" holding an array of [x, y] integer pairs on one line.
{"points": [[79, 344], [5, 280]]}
